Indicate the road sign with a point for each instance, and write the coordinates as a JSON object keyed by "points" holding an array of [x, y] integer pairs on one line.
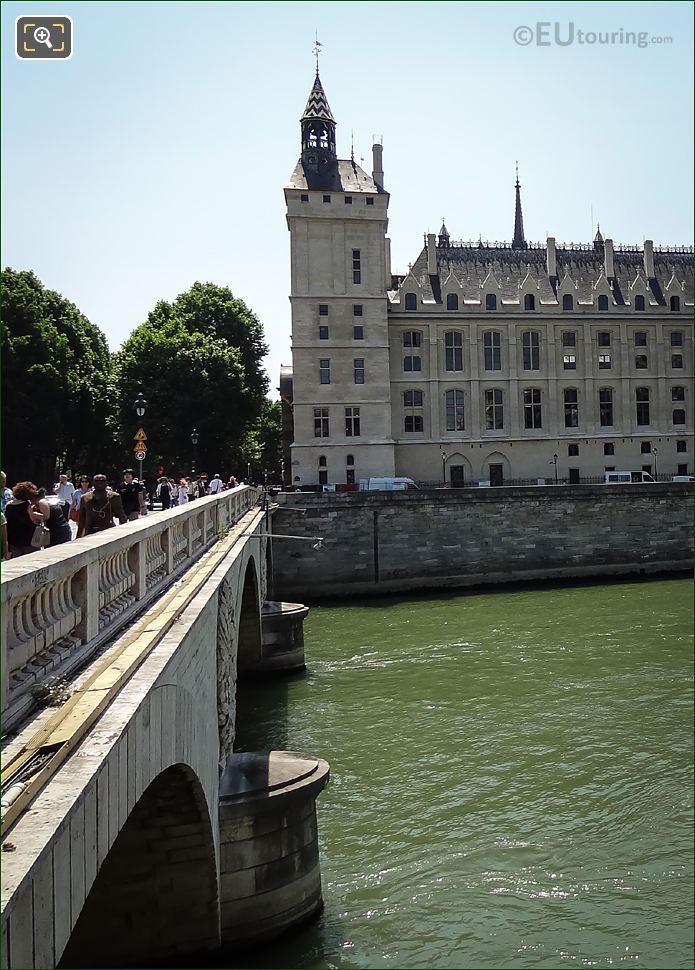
{"points": [[139, 455], [140, 436], [140, 446]]}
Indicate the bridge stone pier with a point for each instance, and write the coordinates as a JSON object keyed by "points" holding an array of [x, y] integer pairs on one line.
{"points": [[111, 802]]}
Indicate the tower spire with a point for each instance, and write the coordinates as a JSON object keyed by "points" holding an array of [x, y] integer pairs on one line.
{"points": [[518, 242], [317, 50]]}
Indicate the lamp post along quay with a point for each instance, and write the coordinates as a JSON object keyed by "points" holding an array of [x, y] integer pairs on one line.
{"points": [[194, 441], [444, 458], [140, 449], [553, 461]]}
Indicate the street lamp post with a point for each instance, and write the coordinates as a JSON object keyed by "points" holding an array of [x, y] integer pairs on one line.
{"points": [[553, 461], [282, 473], [194, 442], [655, 452], [444, 457], [248, 472], [140, 405]]}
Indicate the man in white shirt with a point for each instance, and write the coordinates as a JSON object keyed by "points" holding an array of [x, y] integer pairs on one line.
{"points": [[65, 491], [215, 485]]}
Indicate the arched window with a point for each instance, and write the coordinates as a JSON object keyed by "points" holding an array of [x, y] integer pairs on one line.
{"points": [[350, 460], [675, 304], [412, 399], [603, 302], [452, 301], [679, 415], [642, 401], [454, 411], [571, 407], [639, 302], [568, 302], [323, 470], [453, 350], [529, 302], [322, 461], [410, 301], [572, 451], [494, 410], [490, 301], [533, 417], [350, 470]]}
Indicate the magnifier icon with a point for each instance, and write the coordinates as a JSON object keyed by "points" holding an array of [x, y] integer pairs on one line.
{"points": [[42, 35]]}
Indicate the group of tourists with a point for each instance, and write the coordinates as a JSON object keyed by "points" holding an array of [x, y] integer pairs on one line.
{"points": [[33, 519]]}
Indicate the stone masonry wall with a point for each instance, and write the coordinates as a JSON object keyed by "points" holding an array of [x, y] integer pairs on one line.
{"points": [[379, 542]]}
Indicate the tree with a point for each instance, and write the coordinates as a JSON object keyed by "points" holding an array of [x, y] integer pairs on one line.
{"points": [[55, 373], [198, 363], [262, 447]]}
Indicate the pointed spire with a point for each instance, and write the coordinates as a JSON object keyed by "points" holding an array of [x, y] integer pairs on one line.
{"points": [[317, 105], [443, 234], [518, 242], [599, 244]]}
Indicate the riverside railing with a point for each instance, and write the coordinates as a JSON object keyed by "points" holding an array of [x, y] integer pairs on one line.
{"points": [[61, 604]]}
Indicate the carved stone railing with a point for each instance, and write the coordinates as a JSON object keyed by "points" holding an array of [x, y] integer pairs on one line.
{"points": [[60, 604]]}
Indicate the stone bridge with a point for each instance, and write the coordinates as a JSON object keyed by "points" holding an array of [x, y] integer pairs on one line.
{"points": [[131, 830]]}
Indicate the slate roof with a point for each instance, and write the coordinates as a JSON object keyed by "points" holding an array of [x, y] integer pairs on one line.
{"points": [[343, 176], [471, 263], [317, 105]]}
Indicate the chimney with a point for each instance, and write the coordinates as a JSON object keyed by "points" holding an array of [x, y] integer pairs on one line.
{"points": [[649, 259], [551, 259], [387, 262], [431, 254], [378, 164], [608, 259]]}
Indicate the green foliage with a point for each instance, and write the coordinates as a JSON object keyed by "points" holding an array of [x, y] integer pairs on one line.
{"points": [[198, 363], [262, 445], [55, 373]]}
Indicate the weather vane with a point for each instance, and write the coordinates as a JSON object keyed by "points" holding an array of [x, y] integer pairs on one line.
{"points": [[316, 50]]}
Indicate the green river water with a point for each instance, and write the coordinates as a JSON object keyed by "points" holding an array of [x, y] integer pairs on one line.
{"points": [[511, 778]]}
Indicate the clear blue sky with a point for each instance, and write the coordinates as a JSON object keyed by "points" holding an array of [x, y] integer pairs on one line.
{"points": [[158, 154]]}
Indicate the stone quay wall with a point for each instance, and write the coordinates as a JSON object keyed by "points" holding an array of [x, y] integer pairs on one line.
{"points": [[389, 542]]}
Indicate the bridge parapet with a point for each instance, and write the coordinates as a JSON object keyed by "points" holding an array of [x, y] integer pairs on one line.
{"points": [[60, 604]]}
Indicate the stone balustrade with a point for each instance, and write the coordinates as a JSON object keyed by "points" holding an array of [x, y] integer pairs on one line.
{"points": [[60, 604]]}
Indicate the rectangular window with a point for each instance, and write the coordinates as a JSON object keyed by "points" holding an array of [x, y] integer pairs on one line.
{"points": [[492, 344], [455, 411], [532, 408], [412, 399], [573, 476], [413, 423], [569, 338], [676, 361], [325, 370], [348, 200], [682, 470], [531, 343], [605, 403], [326, 198], [642, 400], [320, 422], [370, 200], [358, 333], [645, 448], [571, 408], [641, 361], [356, 266], [350, 476], [412, 338], [640, 338], [305, 197], [676, 338], [678, 393], [569, 362], [323, 476], [678, 416], [323, 333], [453, 351], [494, 411], [358, 370], [412, 363], [323, 309], [352, 422], [604, 338], [357, 309], [604, 362], [609, 448]]}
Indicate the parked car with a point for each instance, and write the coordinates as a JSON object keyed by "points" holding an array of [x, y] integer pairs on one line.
{"points": [[683, 478], [615, 478], [386, 484]]}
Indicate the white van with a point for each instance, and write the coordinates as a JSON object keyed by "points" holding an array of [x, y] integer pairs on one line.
{"points": [[629, 478], [683, 478], [386, 484]]}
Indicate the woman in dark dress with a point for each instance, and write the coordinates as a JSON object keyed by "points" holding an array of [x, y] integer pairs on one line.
{"points": [[54, 519], [22, 518]]}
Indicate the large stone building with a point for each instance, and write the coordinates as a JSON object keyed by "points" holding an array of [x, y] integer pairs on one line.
{"points": [[486, 361]]}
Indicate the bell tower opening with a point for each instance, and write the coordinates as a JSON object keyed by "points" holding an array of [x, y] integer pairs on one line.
{"points": [[318, 131]]}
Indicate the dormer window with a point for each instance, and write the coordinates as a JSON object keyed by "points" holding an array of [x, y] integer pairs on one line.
{"points": [[639, 303], [410, 301], [529, 302], [568, 302], [490, 301], [675, 304], [603, 302], [452, 301]]}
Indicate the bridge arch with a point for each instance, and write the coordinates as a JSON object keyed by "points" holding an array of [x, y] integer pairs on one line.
{"points": [[250, 640], [156, 894]]}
